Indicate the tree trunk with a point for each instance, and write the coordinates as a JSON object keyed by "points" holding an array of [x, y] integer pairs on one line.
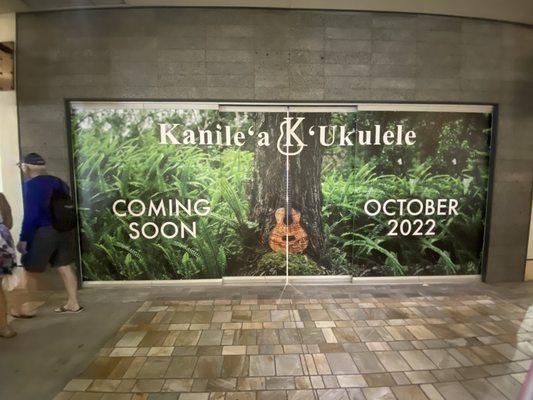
{"points": [[267, 176], [268, 180]]}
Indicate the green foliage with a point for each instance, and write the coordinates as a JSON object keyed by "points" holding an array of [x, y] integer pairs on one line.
{"points": [[274, 264], [456, 169], [117, 155]]}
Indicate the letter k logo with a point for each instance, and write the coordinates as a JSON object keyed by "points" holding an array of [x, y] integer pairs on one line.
{"points": [[288, 133]]}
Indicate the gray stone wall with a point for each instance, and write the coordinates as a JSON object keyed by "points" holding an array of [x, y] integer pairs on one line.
{"points": [[242, 54]]}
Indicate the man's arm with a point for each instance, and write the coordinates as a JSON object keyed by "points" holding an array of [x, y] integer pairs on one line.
{"points": [[31, 212]]}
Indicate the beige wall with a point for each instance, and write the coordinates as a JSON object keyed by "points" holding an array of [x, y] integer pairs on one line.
{"points": [[10, 182], [9, 142]]}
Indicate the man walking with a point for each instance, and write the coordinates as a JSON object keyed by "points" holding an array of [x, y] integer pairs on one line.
{"points": [[41, 244]]}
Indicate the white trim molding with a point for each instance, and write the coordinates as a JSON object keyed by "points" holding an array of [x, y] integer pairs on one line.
{"points": [[455, 108], [413, 280], [252, 106], [297, 280]]}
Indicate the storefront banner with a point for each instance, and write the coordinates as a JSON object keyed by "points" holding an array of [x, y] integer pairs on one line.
{"points": [[190, 192]]}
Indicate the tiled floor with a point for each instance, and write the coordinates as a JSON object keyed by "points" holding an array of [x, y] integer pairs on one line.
{"points": [[459, 342]]}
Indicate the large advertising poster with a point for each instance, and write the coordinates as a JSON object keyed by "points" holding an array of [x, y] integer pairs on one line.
{"points": [[173, 191]]}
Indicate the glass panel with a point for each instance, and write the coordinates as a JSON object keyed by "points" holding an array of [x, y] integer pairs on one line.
{"points": [[182, 193], [422, 211], [252, 191], [321, 164], [193, 192]]}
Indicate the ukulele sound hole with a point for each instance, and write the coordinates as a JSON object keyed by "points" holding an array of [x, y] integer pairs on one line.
{"points": [[290, 238]]}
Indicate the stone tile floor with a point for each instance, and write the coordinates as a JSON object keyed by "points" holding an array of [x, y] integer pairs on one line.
{"points": [[471, 342]]}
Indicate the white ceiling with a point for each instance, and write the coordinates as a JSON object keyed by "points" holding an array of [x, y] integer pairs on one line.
{"points": [[505, 10]]}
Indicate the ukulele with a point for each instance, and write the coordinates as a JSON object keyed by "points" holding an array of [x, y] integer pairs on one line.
{"points": [[288, 229]]}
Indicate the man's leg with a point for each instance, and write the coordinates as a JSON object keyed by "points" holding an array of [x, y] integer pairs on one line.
{"points": [[19, 298], [71, 285]]}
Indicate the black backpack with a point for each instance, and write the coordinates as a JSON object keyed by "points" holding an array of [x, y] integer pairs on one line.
{"points": [[63, 211]]}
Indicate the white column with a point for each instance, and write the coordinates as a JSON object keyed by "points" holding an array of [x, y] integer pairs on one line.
{"points": [[10, 183]]}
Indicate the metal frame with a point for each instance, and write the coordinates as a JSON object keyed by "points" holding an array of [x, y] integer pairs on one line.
{"points": [[490, 192], [282, 106], [530, 233], [308, 106], [74, 190]]}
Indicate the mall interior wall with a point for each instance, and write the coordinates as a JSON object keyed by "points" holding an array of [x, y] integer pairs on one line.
{"points": [[247, 55], [10, 183]]}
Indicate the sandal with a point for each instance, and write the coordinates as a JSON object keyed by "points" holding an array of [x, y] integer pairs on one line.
{"points": [[64, 310], [7, 333]]}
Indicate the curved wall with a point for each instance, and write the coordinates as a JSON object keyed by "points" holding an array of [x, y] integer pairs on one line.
{"points": [[243, 54]]}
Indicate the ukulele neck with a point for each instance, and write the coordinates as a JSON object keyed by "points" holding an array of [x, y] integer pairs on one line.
{"points": [[288, 205]]}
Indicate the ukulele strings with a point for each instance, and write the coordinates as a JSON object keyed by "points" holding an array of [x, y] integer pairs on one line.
{"points": [[294, 316], [287, 214], [287, 211]]}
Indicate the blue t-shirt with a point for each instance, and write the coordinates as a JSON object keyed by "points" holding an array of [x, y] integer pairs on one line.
{"points": [[37, 193]]}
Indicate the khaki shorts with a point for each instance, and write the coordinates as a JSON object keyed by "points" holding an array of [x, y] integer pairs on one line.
{"points": [[49, 247]]}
